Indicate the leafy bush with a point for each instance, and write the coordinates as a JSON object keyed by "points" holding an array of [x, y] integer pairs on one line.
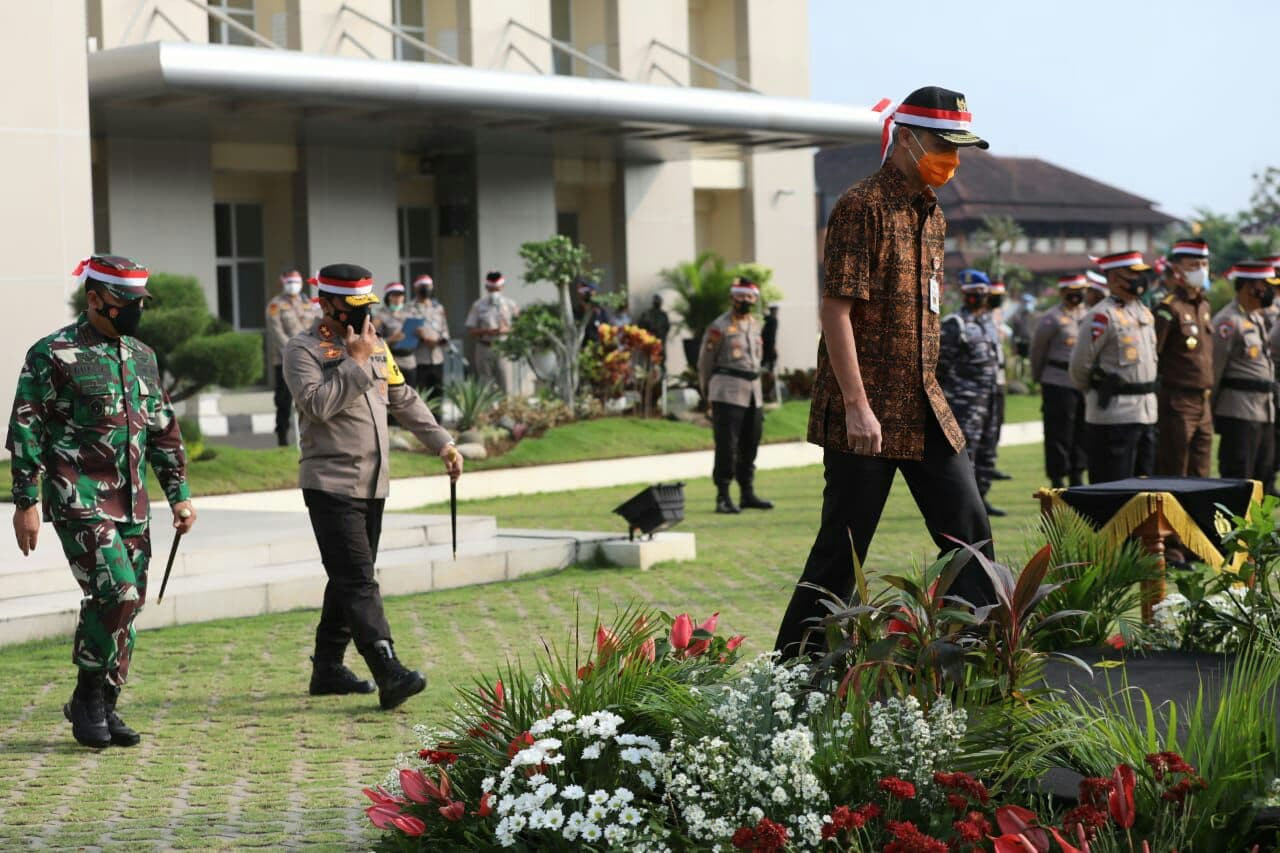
{"points": [[532, 418], [702, 289], [228, 359], [562, 263], [537, 330], [475, 399]]}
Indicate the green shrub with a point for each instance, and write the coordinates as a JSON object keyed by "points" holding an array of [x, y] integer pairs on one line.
{"points": [[228, 359], [474, 398]]}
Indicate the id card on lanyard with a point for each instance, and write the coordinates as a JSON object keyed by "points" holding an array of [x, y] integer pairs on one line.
{"points": [[935, 288]]}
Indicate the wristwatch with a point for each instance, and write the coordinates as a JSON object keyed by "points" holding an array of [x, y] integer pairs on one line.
{"points": [[25, 502]]}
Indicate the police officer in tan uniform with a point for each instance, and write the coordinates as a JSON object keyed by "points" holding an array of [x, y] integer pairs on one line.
{"points": [[288, 313], [433, 337], [345, 381], [1184, 345], [388, 322], [1114, 362], [1243, 375], [1096, 291], [729, 375], [489, 321], [1062, 403]]}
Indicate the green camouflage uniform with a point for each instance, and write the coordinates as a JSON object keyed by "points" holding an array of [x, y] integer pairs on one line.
{"points": [[88, 415]]}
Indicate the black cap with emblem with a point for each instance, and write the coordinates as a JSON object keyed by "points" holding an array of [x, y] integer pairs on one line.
{"points": [[350, 282], [942, 111]]}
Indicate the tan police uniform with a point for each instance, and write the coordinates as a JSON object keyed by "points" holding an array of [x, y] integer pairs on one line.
{"points": [[1242, 393], [1184, 347], [1062, 404], [729, 375], [430, 353], [1114, 363], [286, 316], [493, 312]]}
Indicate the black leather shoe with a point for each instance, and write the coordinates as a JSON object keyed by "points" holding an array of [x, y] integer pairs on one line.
{"points": [[750, 500], [333, 678], [993, 511], [395, 682], [121, 734], [997, 474], [87, 711], [725, 506]]}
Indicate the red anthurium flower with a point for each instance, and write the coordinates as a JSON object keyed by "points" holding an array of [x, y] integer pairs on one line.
{"points": [[681, 632], [1015, 820], [486, 806], [453, 811], [1116, 641], [1012, 842], [648, 651], [1120, 800], [734, 641], [518, 743], [585, 670], [641, 622], [382, 817], [606, 641], [710, 624], [1068, 848], [415, 786], [409, 825], [380, 797]]}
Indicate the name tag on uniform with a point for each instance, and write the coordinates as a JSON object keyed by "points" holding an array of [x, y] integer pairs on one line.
{"points": [[934, 294]]}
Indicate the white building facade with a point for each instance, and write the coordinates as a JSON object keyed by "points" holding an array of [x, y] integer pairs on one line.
{"points": [[232, 139]]}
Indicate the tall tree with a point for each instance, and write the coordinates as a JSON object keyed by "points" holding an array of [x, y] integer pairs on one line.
{"points": [[998, 234]]}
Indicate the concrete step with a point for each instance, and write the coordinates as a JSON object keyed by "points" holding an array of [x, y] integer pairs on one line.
{"points": [[257, 590], [229, 540]]}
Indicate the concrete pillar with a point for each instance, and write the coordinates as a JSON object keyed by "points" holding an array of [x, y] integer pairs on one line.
{"points": [[120, 22], [515, 204], [781, 183], [47, 226], [160, 206], [493, 43], [320, 26], [350, 201]]}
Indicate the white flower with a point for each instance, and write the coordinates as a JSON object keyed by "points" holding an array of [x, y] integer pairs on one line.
{"points": [[779, 795], [620, 797], [545, 791], [631, 755], [597, 813], [486, 785], [553, 818], [591, 832], [573, 792], [647, 779], [630, 816], [614, 833], [598, 797], [592, 752], [576, 821], [537, 779]]}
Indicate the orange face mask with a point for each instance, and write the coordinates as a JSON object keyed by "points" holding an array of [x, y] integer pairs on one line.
{"points": [[935, 168]]}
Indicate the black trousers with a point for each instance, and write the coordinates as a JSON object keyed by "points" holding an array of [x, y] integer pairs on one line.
{"points": [[1246, 449], [945, 489], [429, 379], [737, 434], [1065, 451], [1119, 451], [347, 531], [284, 405]]}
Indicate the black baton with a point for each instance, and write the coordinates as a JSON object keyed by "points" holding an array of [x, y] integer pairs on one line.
{"points": [[173, 552]]}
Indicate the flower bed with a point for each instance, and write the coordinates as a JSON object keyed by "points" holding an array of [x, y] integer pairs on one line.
{"points": [[926, 727]]}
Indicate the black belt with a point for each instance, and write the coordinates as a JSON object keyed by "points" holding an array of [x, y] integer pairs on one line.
{"points": [[1261, 386], [1061, 365], [1132, 388], [749, 375]]}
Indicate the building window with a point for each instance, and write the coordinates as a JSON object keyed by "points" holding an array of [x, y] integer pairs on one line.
{"points": [[567, 224], [410, 17], [240, 11], [561, 30], [417, 243], [242, 264]]}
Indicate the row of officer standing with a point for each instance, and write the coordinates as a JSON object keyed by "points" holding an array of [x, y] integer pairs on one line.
{"points": [[414, 325], [1132, 392]]}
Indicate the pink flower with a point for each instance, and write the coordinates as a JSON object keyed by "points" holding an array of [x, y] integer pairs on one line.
{"points": [[681, 632], [734, 641], [700, 646], [409, 825], [606, 642], [380, 797], [381, 816], [453, 811], [648, 651], [415, 786]]}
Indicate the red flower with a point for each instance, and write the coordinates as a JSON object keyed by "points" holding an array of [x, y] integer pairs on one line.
{"points": [[1020, 828], [1094, 791], [743, 838], [962, 783], [765, 837], [486, 806], [899, 789], [1116, 641], [957, 802], [453, 811], [380, 797], [518, 743], [908, 839], [648, 651], [1085, 818], [734, 641], [409, 825], [415, 786], [1185, 786], [439, 756], [681, 632], [870, 811], [973, 828], [700, 646], [606, 642], [1120, 800], [382, 816], [1167, 762], [585, 670]]}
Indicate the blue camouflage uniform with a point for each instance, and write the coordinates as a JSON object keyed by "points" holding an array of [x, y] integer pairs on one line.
{"points": [[967, 374]]}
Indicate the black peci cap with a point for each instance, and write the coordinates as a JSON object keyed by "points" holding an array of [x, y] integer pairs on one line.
{"points": [[941, 111]]}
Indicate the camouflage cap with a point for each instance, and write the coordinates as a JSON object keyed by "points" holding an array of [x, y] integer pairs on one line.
{"points": [[124, 277]]}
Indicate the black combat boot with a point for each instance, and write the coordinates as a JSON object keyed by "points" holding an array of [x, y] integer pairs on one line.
{"points": [[724, 503], [1077, 478], [121, 734], [993, 511], [87, 711], [330, 677], [1055, 482], [750, 500], [395, 682], [997, 474]]}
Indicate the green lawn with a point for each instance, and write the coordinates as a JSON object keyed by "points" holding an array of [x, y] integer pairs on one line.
{"points": [[237, 755]]}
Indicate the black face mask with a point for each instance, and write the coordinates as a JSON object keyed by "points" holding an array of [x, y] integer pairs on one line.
{"points": [[124, 318], [740, 307], [422, 291], [995, 300], [1137, 285], [1073, 298], [1268, 296], [353, 318], [974, 301]]}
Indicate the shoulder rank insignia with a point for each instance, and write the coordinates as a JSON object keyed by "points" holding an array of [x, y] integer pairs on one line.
{"points": [[394, 376], [1225, 330], [273, 308]]}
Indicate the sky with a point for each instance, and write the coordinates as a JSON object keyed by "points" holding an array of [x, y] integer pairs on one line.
{"points": [[1175, 101]]}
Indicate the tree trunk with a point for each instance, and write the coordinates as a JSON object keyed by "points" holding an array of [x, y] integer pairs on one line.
{"points": [[569, 366]]}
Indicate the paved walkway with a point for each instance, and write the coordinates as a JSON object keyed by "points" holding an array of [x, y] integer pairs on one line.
{"points": [[413, 492]]}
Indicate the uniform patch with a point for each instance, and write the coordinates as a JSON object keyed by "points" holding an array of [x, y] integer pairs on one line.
{"points": [[332, 352], [1070, 341], [1097, 325], [394, 375], [1253, 352], [272, 309], [1225, 330], [1163, 311], [324, 332]]}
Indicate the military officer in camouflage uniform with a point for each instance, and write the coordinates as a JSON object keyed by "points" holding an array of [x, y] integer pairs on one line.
{"points": [[1184, 346], [1061, 402], [993, 322], [1114, 363], [1243, 375], [345, 382], [288, 313], [967, 369], [489, 321], [729, 375], [433, 337], [88, 416]]}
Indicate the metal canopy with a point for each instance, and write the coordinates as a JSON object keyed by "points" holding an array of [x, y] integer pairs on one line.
{"points": [[221, 81]]}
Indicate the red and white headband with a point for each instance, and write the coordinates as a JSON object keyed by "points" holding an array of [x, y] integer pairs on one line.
{"points": [[1259, 271], [394, 287], [495, 282], [291, 277], [342, 287], [1183, 247], [109, 275], [918, 117], [1072, 281], [1111, 262], [744, 290], [1097, 281], [423, 279]]}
